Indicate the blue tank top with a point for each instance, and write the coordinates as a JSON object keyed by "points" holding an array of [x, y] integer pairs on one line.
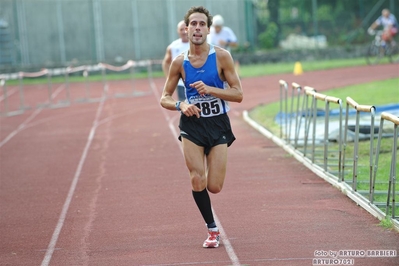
{"points": [[208, 73]]}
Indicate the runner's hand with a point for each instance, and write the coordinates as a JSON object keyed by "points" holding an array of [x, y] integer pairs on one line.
{"points": [[190, 109], [370, 31], [200, 87]]}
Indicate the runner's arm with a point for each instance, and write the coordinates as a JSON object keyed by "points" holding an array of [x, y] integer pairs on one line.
{"points": [[172, 80]]}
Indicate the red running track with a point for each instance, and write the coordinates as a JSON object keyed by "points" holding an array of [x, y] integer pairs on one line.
{"points": [[104, 183]]}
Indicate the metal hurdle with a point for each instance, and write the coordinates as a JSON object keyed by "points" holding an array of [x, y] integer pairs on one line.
{"points": [[283, 105], [325, 140], [359, 109], [294, 88], [18, 105], [324, 165], [289, 115], [4, 98], [299, 119], [308, 92], [21, 76], [5, 106], [392, 175], [129, 65], [85, 70]]}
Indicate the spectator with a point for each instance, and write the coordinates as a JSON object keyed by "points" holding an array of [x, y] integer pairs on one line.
{"points": [[221, 35], [388, 22]]}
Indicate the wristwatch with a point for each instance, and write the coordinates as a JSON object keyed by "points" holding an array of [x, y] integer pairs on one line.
{"points": [[177, 105]]}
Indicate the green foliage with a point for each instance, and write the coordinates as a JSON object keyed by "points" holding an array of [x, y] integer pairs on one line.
{"points": [[342, 22], [268, 37], [325, 13], [262, 13]]}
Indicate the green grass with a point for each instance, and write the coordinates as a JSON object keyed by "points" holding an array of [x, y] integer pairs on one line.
{"points": [[386, 223], [273, 68]]}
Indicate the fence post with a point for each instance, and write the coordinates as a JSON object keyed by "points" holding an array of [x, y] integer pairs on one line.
{"points": [[283, 88], [87, 90], [296, 87], [49, 86], [392, 172], [131, 64], [297, 116], [104, 79], [67, 89], [309, 91], [360, 108], [3, 84], [21, 92]]}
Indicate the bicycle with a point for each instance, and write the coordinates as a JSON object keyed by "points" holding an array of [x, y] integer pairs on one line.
{"points": [[378, 49]]}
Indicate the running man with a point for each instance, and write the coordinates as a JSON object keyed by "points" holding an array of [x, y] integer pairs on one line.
{"points": [[389, 24], [177, 47], [205, 130]]}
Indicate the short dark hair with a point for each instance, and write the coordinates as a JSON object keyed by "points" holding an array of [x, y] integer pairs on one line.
{"points": [[198, 9]]}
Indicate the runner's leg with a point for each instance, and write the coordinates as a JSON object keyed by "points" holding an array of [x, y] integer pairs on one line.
{"points": [[216, 168], [194, 156]]}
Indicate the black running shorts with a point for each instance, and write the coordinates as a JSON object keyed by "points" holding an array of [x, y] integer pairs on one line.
{"points": [[206, 132]]}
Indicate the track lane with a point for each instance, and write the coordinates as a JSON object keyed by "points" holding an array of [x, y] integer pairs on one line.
{"points": [[132, 204]]}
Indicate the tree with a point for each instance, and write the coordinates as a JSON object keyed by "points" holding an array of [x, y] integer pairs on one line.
{"points": [[274, 7]]}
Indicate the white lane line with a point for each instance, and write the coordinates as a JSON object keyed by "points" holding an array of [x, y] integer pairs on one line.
{"points": [[229, 248], [9, 93], [227, 245], [20, 127], [33, 115], [61, 220]]}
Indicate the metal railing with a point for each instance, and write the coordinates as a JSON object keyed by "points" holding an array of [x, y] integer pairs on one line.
{"points": [[306, 130], [390, 203], [299, 125], [359, 109]]}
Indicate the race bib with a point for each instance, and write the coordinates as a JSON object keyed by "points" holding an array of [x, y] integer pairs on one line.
{"points": [[209, 105]]}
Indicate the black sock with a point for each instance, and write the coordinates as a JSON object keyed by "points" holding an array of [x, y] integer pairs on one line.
{"points": [[204, 205]]}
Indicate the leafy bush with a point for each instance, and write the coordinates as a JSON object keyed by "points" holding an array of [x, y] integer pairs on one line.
{"points": [[268, 37]]}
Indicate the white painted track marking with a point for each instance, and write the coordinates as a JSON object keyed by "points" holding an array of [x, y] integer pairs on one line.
{"points": [[61, 220], [30, 118]]}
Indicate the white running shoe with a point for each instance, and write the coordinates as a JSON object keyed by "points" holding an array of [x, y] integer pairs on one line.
{"points": [[213, 239]]}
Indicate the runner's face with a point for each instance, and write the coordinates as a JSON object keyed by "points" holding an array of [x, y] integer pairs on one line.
{"points": [[181, 30], [198, 28]]}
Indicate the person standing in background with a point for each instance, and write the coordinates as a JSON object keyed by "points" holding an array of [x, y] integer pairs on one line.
{"points": [[223, 37], [177, 47]]}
